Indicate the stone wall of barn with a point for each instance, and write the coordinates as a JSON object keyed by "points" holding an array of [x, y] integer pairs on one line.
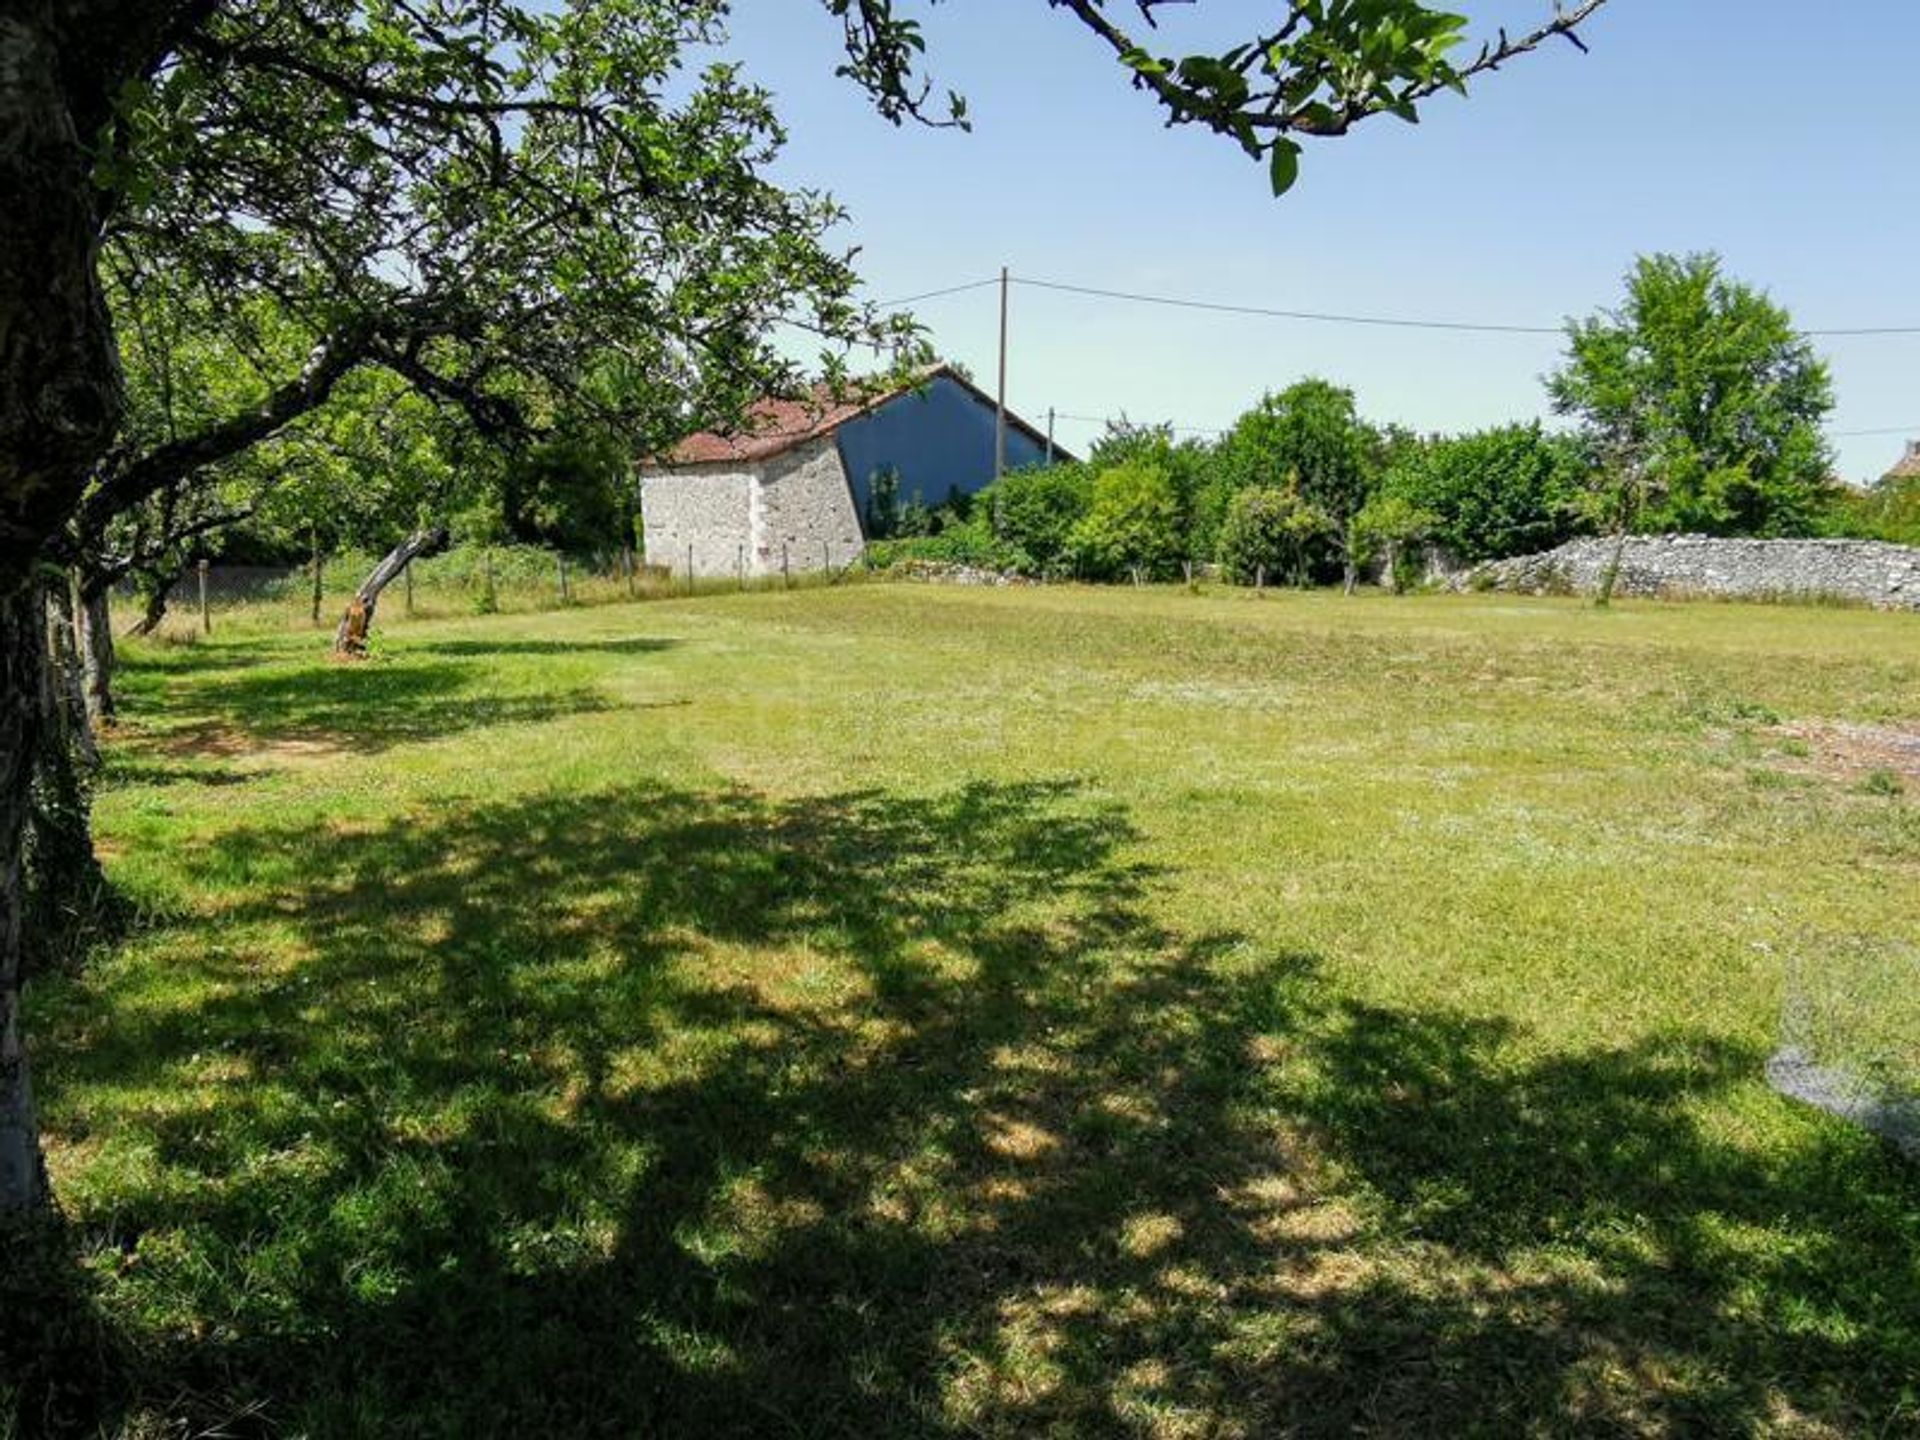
{"points": [[804, 512], [792, 509], [1865, 572], [701, 515]]}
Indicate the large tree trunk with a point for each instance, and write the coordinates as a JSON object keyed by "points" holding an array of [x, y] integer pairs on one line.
{"points": [[63, 700], [64, 892], [93, 633], [22, 682], [62, 63], [350, 640]]}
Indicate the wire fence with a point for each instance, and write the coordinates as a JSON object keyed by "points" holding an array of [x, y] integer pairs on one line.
{"points": [[212, 598], [1850, 1034]]}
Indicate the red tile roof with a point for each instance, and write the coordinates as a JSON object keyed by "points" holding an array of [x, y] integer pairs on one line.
{"points": [[776, 425]]}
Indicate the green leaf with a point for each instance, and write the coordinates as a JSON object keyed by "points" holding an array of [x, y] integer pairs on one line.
{"points": [[1283, 168]]}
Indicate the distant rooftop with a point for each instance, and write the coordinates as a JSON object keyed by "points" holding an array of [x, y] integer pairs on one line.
{"points": [[1908, 466], [775, 425]]}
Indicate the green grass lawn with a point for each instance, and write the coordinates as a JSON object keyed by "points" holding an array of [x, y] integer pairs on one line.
{"points": [[895, 1010]]}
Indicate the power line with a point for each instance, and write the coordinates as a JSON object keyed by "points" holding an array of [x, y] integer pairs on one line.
{"points": [[934, 294], [1112, 419], [1883, 430], [1326, 317]]}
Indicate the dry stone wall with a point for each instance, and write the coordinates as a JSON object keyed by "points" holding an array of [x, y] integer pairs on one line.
{"points": [[1866, 572]]}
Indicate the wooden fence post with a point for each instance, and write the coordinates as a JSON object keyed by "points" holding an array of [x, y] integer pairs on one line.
{"points": [[206, 615], [566, 594], [408, 574], [689, 567], [626, 559], [1259, 578], [786, 569], [318, 562], [740, 564]]}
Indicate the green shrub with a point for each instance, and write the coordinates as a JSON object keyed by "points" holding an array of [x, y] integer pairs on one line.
{"points": [[1509, 491], [1270, 529], [970, 543], [1034, 512], [1393, 527], [1132, 528]]}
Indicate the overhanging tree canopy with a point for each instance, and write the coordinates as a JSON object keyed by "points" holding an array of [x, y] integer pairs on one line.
{"points": [[438, 186]]}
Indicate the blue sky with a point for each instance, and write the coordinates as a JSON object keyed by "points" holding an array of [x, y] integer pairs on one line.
{"points": [[1779, 134]]}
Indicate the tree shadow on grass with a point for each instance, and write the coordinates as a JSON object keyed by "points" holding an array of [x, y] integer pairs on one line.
{"points": [[662, 1111], [397, 699]]}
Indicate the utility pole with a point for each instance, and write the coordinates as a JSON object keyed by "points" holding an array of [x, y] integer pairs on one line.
{"points": [[1000, 402], [1049, 434]]}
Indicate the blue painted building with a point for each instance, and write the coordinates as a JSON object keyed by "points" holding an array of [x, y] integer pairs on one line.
{"points": [[938, 439]]}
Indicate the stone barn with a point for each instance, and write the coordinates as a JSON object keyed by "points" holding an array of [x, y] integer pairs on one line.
{"points": [[792, 486]]}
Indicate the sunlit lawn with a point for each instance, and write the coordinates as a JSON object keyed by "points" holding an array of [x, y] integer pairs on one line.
{"points": [[894, 1010]]}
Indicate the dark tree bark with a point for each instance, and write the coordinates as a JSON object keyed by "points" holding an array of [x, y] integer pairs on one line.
{"points": [[93, 633], [61, 64], [22, 682], [65, 889], [350, 640]]}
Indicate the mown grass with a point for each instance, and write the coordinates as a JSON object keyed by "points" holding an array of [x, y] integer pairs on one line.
{"points": [[923, 1011]]}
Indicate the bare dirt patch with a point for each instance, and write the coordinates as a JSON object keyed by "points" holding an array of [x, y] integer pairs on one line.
{"points": [[224, 742], [1846, 750]]}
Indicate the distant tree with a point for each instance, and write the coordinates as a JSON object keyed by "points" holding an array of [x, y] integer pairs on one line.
{"points": [[1310, 433], [1700, 404], [1188, 464], [1034, 513], [1132, 526], [883, 503], [1271, 531], [1394, 527], [1888, 509], [439, 159], [1507, 491]]}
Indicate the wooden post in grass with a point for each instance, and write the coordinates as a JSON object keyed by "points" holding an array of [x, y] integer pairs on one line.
{"points": [[826, 559], [626, 560], [566, 594], [786, 569], [409, 579], [206, 615], [1259, 579], [318, 561], [1187, 565], [740, 565], [689, 567]]}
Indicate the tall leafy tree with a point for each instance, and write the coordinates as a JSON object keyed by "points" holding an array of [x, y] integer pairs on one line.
{"points": [[1701, 403], [1319, 69], [1310, 435], [1511, 490], [435, 184], [477, 199]]}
